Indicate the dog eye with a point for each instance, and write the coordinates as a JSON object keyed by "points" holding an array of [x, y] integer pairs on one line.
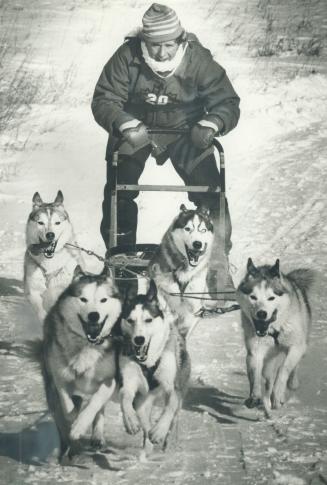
{"points": [[148, 320], [188, 229], [103, 300], [130, 320], [58, 223], [271, 298], [84, 300], [41, 223], [253, 297]]}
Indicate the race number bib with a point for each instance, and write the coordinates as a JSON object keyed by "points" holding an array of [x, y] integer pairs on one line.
{"points": [[154, 99]]}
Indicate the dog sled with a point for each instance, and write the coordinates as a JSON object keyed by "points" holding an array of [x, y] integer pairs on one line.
{"points": [[130, 263]]}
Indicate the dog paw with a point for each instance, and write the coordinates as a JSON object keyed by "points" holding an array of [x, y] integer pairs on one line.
{"points": [[253, 402], [84, 361], [131, 422], [98, 442], [278, 397], [277, 401], [159, 433]]}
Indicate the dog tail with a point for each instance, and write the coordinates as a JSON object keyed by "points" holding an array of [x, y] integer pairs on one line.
{"points": [[31, 350], [304, 278]]}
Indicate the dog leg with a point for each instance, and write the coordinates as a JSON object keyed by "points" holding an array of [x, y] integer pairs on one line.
{"points": [[143, 407], [192, 323], [159, 432], [98, 440], [133, 382], [35, 298], [62, 409], [269, 373], [131, 421], [254, 363], [96, 404], [293, 357], [293, 380], [67, 403]]}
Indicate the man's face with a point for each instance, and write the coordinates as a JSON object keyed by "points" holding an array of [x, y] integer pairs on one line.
{"points": [[162, 51]]}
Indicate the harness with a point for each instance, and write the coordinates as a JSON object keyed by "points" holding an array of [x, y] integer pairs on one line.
{"points": [[275, 336], [148, 373], [47, 276], [203, 312]]}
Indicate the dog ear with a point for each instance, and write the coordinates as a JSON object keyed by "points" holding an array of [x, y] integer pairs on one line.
{"points": [[37, 201], [78, 273], [152, 291], [129, 293], [251, 269], [203, 210], [59, 198], [107, 271], [274, 270]]}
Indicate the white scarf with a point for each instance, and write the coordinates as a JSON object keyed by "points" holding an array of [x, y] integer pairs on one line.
{"points": [[163, 66]]}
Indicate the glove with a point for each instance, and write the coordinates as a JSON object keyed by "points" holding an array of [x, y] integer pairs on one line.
{"points": [[137, 137], [202, 136]]}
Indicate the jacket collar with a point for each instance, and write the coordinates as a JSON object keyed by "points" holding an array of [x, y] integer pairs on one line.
{"points": [[138, 58]]}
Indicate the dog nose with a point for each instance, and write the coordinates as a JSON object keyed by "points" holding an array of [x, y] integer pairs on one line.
{"points": [[50, 236], [93, 317], [261, 315], [197, 245], [139, 340]]}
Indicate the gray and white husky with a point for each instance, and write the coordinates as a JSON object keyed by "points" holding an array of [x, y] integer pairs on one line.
{"points": [[276, 319], [79, 357], [49, 264], [180, 265], [153, 363]]}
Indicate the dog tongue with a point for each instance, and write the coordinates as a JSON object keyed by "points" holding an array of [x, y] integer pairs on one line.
{"points": [[140, 352]]}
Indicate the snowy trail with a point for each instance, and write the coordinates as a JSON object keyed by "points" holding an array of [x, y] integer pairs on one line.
{"points": [[276, 173]]}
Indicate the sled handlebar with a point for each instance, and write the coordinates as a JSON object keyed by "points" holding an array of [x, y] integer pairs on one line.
{"points": [[176, 131]]}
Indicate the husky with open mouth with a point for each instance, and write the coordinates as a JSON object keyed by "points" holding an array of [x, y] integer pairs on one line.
{"points": [[49, 263], [79, 357], [180, 265], [153, 363], [276, 319]]}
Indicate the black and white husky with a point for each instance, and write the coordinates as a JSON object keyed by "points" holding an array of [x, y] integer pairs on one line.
{"points": [[79, 357], [49, 264], [276, 319], [153, 363], [181, 263]]}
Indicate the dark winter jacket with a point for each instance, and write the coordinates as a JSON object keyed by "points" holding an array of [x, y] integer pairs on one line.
{"points": [[128, 89]]}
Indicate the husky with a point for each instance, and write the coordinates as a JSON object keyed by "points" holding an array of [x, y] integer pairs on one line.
{"points": [[276, 319], [180, 265], [79, 357], [49, 264], [153, 363]]}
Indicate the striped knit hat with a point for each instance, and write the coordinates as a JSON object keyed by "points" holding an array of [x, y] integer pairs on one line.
{"points": [[160, 24]]}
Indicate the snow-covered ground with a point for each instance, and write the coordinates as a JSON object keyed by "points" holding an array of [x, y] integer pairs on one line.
{"points": [[51, 56]]}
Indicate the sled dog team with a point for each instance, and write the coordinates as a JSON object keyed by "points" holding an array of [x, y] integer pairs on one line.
{"points": [[97, 339]]}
